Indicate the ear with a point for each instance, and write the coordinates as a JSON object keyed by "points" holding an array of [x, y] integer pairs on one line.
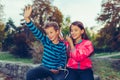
{"points": [[82, 31], [58, 31]]}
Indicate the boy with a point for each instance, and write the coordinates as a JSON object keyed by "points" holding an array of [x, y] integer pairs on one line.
{"points": [[54, 53]]}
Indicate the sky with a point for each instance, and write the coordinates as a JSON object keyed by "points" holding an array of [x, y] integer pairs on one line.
{"points": [[85, 11]]}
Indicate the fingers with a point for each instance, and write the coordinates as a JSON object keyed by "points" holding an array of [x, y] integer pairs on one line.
{"points": [[54, 71], [28, 8], [27, 13], [67, 37]]}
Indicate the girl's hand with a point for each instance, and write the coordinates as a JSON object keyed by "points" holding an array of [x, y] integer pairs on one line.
{"points": [[69, 39], [27, 13]]}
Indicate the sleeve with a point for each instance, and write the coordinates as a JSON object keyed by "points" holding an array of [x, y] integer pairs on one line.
{"points": [[36, 32], [63, 57], [83, 52]]}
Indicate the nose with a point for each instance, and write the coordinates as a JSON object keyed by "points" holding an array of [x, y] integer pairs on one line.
{"points": [[72, 32]]}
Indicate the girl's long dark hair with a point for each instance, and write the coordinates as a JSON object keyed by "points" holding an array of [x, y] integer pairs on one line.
{"points": [[84, 35], [81, 26]]}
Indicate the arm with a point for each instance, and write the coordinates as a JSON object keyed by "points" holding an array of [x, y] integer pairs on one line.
{"points": [[63, 57], [82, 52], [37, 33]]}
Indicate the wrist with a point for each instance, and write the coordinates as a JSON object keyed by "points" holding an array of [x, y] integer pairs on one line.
{"points": [[72, 46], [27, 20]]}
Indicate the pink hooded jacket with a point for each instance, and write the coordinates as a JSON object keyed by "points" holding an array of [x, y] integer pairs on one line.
{"points": [[79, 57]]}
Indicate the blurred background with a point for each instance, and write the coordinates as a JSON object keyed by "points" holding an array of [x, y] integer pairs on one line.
{"points": [[101, 19]]}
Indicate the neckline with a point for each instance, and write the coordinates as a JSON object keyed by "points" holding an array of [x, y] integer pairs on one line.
{"points": [[79, 42]]}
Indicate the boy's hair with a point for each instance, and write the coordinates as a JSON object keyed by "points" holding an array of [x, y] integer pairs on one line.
{"points": [[52, 24]]}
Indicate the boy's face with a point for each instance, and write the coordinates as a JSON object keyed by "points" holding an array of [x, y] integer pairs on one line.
{"points": [[52, 33]]}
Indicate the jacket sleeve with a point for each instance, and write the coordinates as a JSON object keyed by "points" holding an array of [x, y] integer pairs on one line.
{"points": [[80, 53], [36, 32]]}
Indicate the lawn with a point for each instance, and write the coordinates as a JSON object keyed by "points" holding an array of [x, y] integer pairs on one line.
{"points": [[104, 54], [106, 69], [5, 56], [116, 57]]}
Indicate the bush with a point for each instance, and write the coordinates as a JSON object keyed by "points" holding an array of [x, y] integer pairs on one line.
{"points": [[21, 48]]}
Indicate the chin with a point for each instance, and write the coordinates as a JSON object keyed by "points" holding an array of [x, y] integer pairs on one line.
{"points": [[74, 37], [52, 39]]}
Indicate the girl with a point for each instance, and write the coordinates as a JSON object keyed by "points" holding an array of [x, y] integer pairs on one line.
{"points": [[79, 64]]}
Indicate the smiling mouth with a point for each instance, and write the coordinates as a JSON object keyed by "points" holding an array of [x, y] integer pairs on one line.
{"points": [[50, 37], [73, 36]]}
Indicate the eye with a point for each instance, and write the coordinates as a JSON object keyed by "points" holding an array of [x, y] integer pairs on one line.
{"points": [[76, 30], [51, 32]]}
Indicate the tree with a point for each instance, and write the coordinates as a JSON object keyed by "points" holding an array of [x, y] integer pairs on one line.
{"points": [[2, 26], [44, 11], [109, 35], [65, 26], [9, 30], [1, 12], [20, 49], [2, 34]]}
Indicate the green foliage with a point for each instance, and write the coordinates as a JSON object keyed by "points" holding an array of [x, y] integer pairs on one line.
{"points": [[65, 31], [65, 26], [115, 57], [21, 48], [2, 34], [9, 32], [10, 24]]}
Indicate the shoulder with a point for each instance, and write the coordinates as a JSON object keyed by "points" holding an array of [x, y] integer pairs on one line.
{"points": [[61, 43], [65, 43], [84, 43]]}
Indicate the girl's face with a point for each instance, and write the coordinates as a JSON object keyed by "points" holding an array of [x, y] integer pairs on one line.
{"points": [[76, 32], [52, 33]]}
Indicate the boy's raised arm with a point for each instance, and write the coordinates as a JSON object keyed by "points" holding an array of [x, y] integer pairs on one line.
{"points": [[36, 32]]}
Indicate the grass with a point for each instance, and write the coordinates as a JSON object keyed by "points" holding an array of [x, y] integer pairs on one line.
{"points": [[116, 57], [5, 56], [105, 71], [104, 54], [101, 67]]}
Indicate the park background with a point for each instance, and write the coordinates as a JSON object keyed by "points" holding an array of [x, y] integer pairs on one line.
{"points": [[100, 17]]}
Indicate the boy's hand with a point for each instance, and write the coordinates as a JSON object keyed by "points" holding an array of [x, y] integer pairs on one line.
{"points": [[27, 13], [54, 71]]}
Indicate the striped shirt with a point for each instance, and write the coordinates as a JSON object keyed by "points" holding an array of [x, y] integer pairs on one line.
{"points": [[54, 55]]}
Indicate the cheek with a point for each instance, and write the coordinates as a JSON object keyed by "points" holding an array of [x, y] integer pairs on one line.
{"points": [[53, 35], [71, 33]]}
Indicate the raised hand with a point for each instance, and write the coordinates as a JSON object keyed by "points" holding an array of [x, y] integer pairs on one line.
{"points": [[27, 13], [69, 39]]}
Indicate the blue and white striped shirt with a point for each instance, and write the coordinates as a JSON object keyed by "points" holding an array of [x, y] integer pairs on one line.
{"points": [[54, 55]]}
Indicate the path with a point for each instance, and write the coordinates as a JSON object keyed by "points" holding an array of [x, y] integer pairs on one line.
{"points": [[107, 56]]}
